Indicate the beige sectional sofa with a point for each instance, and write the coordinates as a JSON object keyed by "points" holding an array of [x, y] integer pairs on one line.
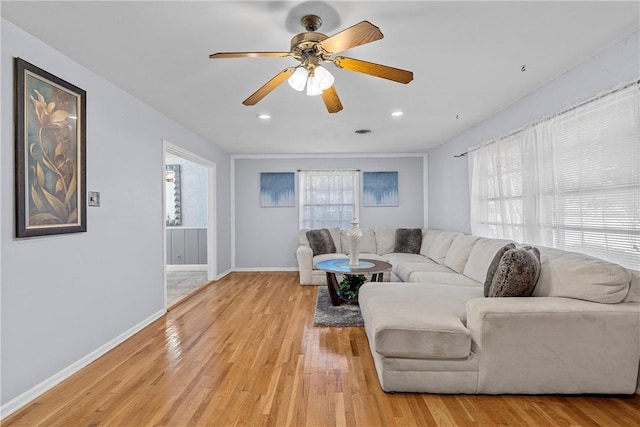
{"points": [[432, 330]]}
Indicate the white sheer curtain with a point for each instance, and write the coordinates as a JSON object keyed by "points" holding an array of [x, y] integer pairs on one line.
{"points": [[328, 198], [571, 181], [497, 203]]}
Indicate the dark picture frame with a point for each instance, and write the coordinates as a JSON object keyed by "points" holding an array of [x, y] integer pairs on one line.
{"points": [[50, 153]]}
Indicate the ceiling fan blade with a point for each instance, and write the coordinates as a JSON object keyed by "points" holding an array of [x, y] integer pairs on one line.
{"points": [[281, 77], [221, 55], [357, 35], [331, 100], [373, 69]]}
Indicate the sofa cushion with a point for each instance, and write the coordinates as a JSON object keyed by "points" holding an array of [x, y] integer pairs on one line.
{"points": [[367, 244], [575, 275], [481, 256], [416, 321], [517, 273], [493, 267], [385, 240], [321, 242], [406, 270], [440, 246], [408, 240], [397, 259], [634, 287], [459, 251], [443, 278], [428, 236]]}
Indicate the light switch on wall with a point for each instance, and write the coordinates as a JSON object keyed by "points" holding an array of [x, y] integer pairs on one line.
{"points": [[94, 198]]}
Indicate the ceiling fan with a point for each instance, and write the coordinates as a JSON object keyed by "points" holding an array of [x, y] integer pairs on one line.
{"points": [[312, 49]]}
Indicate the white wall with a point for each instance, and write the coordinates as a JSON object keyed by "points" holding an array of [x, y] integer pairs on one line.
{"points": [[449, 176], [268, 237], [65, 296]]}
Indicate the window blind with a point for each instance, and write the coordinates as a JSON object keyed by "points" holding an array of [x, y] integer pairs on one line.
{"points": [[571, 181], [590, 180]]}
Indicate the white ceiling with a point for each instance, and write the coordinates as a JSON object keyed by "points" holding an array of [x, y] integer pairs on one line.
{"points": [[466, 58]]}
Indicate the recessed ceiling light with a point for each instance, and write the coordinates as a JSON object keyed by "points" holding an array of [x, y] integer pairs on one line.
{"points": [[397, 114], [264, 116]]}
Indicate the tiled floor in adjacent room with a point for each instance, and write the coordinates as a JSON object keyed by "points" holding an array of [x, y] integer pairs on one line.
{"points": [[181, 284]]}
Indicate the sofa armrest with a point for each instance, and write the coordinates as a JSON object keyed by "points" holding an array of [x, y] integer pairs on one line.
{"points": [[554, 345], [305, 264]]}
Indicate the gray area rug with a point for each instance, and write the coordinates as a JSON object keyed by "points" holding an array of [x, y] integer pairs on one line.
{"points": [[345, 314]]}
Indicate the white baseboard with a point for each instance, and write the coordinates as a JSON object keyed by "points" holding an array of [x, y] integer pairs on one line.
{"points": [[223, 274], [39, 389], [186, 267], [258, 269]]}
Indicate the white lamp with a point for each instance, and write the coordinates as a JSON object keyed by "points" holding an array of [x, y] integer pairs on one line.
{"points": [[320, 79], [313, 86], [324, 77], [298, 79]]}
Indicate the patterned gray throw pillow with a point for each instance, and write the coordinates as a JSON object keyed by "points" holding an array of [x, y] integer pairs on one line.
{"points": [[408, 240], [494, 266], [321, 242], [517, 273]]}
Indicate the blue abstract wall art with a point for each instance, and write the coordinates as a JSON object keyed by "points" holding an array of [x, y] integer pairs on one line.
{"points": [[277, 189], [380, 189]]}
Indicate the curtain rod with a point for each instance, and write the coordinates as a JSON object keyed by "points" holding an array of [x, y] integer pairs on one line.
{"points": [[595, 98]]}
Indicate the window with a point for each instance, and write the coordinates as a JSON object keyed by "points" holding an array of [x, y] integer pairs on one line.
{"points": [[500, 207], [571, 181], [328, 198]]}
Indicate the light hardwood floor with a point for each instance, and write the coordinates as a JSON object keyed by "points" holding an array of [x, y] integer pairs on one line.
{"points": [[244, 352], [181, 284]]}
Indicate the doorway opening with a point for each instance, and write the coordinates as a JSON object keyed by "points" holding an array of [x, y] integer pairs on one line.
{"points": [[189, 223]]}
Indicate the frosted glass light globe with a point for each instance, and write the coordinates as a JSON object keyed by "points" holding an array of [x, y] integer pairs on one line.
{"points": [[313, 87], [298, 79], [325, 79]]}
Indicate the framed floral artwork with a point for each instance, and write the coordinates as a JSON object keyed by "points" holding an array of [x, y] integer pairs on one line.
{"points": [[50, 133]]}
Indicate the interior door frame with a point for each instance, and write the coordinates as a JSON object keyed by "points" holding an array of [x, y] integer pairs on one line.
{"points": [[212, 241]]}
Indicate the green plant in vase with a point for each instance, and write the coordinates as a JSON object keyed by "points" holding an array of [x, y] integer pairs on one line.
{"points": [[350, 286]]}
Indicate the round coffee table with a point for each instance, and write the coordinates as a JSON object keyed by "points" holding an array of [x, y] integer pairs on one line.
{"points": [[341, 266]]}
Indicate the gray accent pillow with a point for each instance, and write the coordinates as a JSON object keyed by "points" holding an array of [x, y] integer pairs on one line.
{"points": [[408, 240], [494, 266], [321, 242], [517, 273]]}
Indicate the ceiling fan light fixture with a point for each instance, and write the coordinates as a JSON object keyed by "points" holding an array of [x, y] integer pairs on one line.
{"points": [[325, 78], [311, 49], [298, 79], [313, 86]]}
